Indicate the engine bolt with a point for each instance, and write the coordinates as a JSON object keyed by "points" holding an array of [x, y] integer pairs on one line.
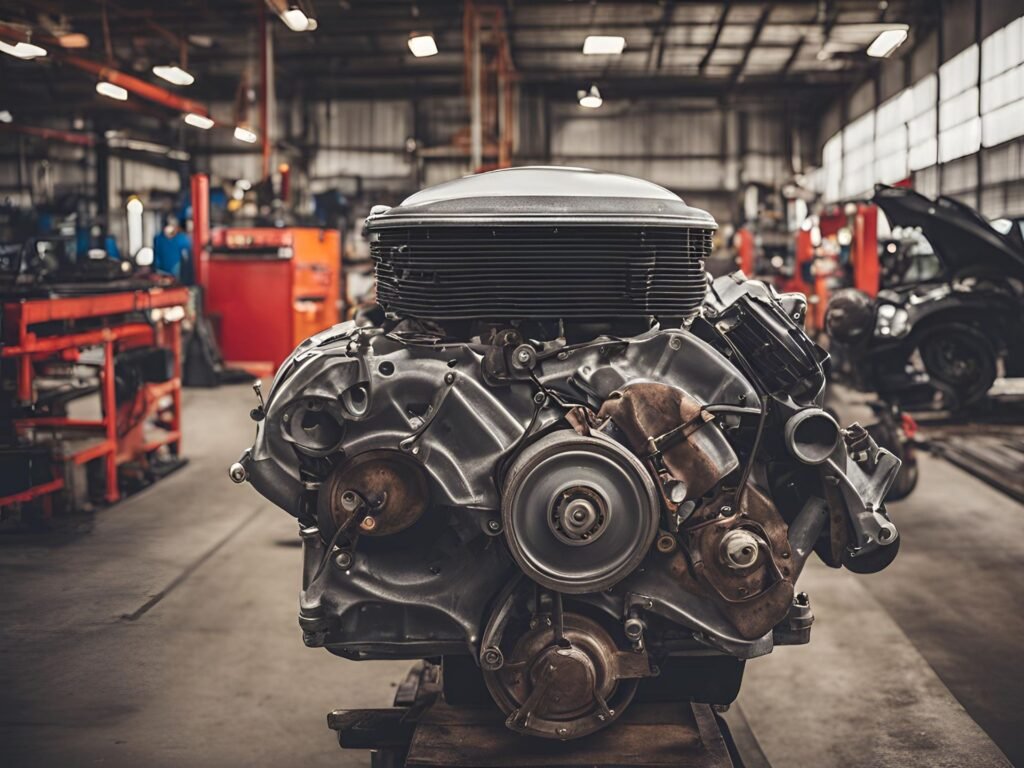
{"points": [[492, 658], [237, 473], [666, 544], [675, 343], [449, 378], [523, 356], [539, 398], [493, 525], [368, 524], [344, 560]]}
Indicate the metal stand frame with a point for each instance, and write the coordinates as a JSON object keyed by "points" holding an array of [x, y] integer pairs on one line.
{"points": [[423, 730], [26, 344]]}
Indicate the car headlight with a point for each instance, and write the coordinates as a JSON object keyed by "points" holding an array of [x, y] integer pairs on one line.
{"points": [[892, 321]]}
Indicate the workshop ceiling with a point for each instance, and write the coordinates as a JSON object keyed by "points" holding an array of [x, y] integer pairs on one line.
{"points": [[673, 47]]}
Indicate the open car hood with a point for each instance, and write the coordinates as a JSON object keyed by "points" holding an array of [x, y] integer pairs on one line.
{"points": [[963, 240]]}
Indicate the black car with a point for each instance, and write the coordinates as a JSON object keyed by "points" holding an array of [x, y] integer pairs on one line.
{"points": [[950, 314]]}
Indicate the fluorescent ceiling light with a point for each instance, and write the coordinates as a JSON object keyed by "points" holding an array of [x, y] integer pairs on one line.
{"points": [[246, 135], [295, 20], [22, 50], [887, 42], [111, 91], [603, 44], [422, 45], [172, 73], [591, 99], [199, 121], [5, 116], [73, 40]]}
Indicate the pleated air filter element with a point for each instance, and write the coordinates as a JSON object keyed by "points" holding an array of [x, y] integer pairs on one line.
{"points": [[541, 243]]}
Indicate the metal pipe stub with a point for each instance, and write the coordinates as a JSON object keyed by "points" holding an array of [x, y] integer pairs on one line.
{"points": [[811, 435]]}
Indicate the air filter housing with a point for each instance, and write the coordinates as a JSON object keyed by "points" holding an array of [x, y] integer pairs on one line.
{"points": [[541, 243]]}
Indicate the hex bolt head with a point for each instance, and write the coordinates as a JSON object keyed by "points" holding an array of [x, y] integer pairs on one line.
{"points": [[493, 526], [492, 658], [343, 560], [237, 473]]}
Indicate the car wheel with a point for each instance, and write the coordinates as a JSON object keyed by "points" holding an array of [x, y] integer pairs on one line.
{"points": [[888, 437], [961, 359]]}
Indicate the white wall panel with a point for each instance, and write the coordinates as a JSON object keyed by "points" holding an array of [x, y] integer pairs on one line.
{"points": [[959, 73]]}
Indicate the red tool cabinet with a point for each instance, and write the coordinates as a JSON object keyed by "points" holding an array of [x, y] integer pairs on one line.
{"points": [[268, 289]]}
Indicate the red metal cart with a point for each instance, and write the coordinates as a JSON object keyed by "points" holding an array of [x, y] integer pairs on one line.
{"points": [[39, 329]]}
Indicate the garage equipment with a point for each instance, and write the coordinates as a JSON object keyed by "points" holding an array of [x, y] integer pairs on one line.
{"points": [[267, 289], [130, 328]]}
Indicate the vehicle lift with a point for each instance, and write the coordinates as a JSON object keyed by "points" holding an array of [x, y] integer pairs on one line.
{"points": [[423, 730]]}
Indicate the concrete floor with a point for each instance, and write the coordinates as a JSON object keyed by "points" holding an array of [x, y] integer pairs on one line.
{"points": [[163, 632]]}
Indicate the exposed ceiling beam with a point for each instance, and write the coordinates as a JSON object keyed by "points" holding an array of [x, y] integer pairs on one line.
{"points": [[793, 56], [738, 72], [722, 20]]}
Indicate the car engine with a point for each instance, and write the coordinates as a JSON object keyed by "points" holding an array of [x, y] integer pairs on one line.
{"points": [[559, 459]]}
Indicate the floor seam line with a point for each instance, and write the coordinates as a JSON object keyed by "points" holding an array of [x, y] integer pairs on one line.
{"points": [[190, 569]]}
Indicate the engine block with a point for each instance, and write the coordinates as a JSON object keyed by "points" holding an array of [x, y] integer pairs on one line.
{"points": [[571, 510]]}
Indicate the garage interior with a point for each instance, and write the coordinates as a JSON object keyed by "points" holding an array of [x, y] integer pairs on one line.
{"points": [[183, 191]]}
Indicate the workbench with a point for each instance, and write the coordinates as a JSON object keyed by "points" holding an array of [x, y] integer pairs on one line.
{"points": [[59, 327]]}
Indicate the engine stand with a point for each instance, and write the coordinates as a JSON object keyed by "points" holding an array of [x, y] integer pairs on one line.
{"points": [[422, 730]]}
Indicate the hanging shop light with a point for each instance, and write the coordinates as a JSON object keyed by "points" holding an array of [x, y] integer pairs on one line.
{"points": [[134, 209], [22, 50], [422, 44], [73, 40], [111, 91], [173, 74], [596, 45], [245, 134], [199, 121], [591, 99], [296, 19], [887, 41]]}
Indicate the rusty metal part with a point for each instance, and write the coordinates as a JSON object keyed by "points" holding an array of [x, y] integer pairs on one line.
{"points": [[756, 597], [666, 543], [392, 487], [565, 682], [668, 425]]}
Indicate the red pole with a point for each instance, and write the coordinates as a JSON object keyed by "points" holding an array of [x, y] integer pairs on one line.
{"points": [[200, 226], [745, 247], [110, 420], [866, 267]]}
